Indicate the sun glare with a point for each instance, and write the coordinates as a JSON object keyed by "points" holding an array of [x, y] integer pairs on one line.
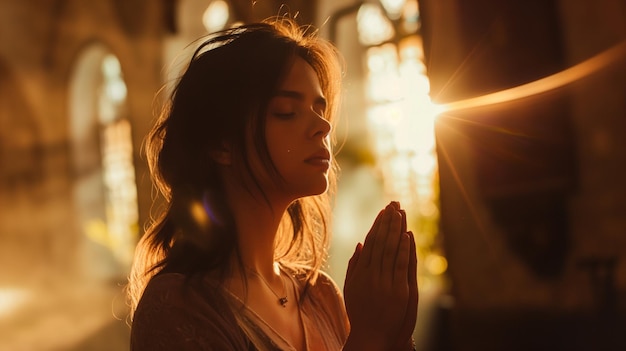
{"points": [[557, 80], [11, 299], [560, 79]]}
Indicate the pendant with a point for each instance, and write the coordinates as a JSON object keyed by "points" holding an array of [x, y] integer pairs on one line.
{"points": [[283, 301]]}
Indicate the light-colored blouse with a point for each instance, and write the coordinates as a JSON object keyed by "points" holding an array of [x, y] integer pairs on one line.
{"points": [[176, 314]]}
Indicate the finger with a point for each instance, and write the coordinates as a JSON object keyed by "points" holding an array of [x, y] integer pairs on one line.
{"points": [[402, 261], [395, 205], [403, 213], [412, 278], [412, 261], [370, 240], [379, 249], [353, 261], [408, 325], [394, 236]]}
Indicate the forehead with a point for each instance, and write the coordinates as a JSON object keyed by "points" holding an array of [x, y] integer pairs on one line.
{"points": [[302, 77]]}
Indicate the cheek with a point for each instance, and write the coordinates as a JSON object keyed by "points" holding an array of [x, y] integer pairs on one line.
{"points": [[281, 152], [280, 143]]}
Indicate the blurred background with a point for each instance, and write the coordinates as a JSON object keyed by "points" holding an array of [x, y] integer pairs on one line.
{"points": [[499, 125]]}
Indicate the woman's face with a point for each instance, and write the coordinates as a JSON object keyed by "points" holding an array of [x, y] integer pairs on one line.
{"points": [[297, 134]]}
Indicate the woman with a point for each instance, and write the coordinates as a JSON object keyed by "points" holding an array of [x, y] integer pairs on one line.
{"points": [[242, 155]]}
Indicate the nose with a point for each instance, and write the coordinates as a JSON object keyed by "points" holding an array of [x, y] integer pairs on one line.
{"points": [[322, 126]]}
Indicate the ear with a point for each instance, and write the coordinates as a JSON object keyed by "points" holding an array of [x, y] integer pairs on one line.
{"points": [[222, 156]]}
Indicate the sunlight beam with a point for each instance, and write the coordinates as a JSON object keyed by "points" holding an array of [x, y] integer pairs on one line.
{"points": [[443, 154], [545, 84]]}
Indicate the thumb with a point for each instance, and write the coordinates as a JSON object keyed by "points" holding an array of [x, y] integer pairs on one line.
{"points": [[353, 260]]}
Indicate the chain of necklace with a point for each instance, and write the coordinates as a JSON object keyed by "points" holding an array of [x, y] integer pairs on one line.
{"points": [[281, 300]]}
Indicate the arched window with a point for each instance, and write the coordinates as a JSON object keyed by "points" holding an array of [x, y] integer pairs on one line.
{"points": [[105, 192], [395, 109]]}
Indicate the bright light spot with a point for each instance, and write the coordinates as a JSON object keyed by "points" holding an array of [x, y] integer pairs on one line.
{"points": [[121, 192], [393, 7], [411, 16], [402, 119], [117, 90], [411, 51], [373, 26], [428, 209], [96, 230], [384, 78], [113, 90], [111, 66], [434, 110], [215, 16], [199, 214], [436, 264], [11, 299], [424, 164]]}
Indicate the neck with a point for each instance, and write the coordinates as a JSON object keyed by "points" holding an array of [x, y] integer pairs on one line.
{"points": [[257, 221]]}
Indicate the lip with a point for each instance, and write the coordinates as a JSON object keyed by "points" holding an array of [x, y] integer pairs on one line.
{"points": [[320, 158]]}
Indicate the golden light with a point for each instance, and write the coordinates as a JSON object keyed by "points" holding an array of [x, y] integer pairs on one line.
{"points": [[11, 299], [215, 16], [588, 67], [96, 230], [557, 80], [393, 7], [411, 17], [401, 118], [119, 180], [401, 121], [199, 214], [436, 264], [373, 26]]}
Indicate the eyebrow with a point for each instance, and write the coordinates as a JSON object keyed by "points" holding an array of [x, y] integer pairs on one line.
{"points": [[299, 96]]}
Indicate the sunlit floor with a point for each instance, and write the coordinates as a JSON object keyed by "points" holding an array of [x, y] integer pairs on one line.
{"points": [[85, 317]]}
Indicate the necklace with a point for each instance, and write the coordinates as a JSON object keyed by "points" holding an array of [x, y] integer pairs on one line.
{"points": [[281, 300]]}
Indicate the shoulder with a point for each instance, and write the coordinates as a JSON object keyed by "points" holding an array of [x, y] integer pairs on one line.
{"points": [[325, 285], [170, 290], [323, 301], [324, 279], [178, 292], [321, 284], [177, 313], [164, 286], [324, 288]]}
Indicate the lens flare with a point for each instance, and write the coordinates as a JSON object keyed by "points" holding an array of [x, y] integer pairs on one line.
{"points": [[557, 80], [606, 58]]}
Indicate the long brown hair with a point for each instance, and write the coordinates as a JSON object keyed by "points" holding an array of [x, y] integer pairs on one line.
{"points": [[223, 92]]}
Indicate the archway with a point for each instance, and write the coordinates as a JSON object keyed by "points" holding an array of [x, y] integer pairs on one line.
{"points": [[105, 192]]}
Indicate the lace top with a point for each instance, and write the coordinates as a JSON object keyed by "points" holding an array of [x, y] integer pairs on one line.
{"points": [[174, 314]]}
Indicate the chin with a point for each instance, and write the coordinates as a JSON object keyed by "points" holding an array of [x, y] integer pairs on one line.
{"points": [[321, 190]]}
